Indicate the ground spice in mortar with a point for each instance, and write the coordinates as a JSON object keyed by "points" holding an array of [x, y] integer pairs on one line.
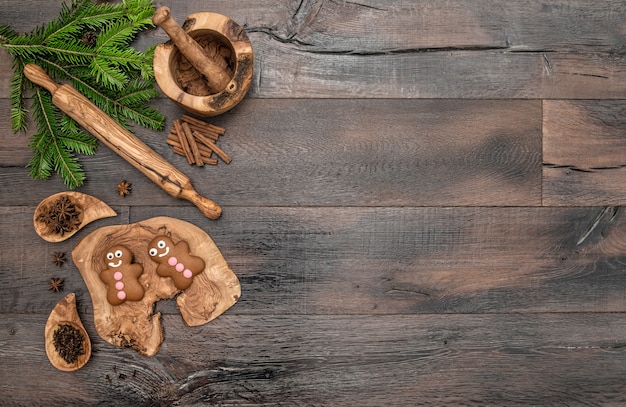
{"points": [[69, 342], [190, 80]]}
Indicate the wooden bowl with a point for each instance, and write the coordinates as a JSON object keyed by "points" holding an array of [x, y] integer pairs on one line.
{"points": [[221, 38]]}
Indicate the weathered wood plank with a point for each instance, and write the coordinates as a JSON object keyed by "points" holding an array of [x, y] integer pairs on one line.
{"points": [[371, 26], [565, 187], [370, 260], [457, 49], [445, 73], [433, 260], [408, 360], [584, 152], [341, 153], [452, 49]]}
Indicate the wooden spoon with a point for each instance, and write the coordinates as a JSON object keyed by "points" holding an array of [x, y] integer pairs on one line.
{"points": [[65, 313], [91, 209]]}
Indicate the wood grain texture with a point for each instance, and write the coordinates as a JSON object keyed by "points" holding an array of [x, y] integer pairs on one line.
{"points": [[413, 360], [423, 208], [327, 261], [584, 152], [346, 153], [429, 49], [464, 49]]}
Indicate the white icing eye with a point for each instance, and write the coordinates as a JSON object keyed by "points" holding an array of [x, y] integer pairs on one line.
{"points": [[118, 253], [153, 252], [110, 256], [161, 244]]}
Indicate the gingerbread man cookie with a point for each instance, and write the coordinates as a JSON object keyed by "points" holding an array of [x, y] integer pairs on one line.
{"points": [[175, 261], [121, 276]]}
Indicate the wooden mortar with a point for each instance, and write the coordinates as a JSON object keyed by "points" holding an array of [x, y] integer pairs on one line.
{"points": [[190, 69]]}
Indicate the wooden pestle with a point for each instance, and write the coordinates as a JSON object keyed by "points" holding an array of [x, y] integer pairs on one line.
{"points": [[216, 77], [123, 142]]}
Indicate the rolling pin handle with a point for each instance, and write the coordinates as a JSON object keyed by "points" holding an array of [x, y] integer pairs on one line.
{"points": [[208, 208], [37, 75]]}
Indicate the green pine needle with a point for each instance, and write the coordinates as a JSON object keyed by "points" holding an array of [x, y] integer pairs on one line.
{"points": [[19, 114], [89, 46]]}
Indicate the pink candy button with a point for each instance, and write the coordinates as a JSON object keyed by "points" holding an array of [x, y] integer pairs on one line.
{"points": [[119, 285], [172, 261], [117, 275], [121, 295]]}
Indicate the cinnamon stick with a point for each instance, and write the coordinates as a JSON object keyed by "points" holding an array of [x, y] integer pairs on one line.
{"points": [[205, 160], [210, 144], [220, 130], [205, 152], [192, 143], [212, 135], [183, 141]]}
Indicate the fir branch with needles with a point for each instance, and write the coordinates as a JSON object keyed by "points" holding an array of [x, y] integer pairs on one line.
{"points": [[89, 45]]}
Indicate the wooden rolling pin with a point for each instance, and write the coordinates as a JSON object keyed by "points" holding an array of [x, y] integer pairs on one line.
{"points": [[123, 142], [215, 75]]}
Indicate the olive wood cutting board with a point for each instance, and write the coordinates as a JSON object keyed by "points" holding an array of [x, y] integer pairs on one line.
{"points": [[134, 323]]}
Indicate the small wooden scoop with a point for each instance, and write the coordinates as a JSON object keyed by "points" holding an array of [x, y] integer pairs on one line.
{"points": [[91, 209], [215, 75], [65, 313]]}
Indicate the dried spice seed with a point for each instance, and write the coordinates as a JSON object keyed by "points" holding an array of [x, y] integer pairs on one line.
{"points": [[69, 342], [56, 285], [58, 258], [123, 188]]}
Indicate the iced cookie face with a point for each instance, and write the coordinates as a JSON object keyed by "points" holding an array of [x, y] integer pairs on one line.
{"points": [[160, 247], [175, 261], [116, 256], [121, 276]]}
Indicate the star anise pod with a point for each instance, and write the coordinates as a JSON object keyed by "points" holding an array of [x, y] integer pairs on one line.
{"points": [[123, 188], [72, 224], [56, 284], [58, 258], [46, 216], [58, 228], [63, 203], [62, 216]]}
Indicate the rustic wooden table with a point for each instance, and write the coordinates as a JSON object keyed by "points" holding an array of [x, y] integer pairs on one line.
{"points": [[423, 207]]}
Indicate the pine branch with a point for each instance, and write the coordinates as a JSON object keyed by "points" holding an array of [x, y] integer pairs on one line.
{"points": [[50, 151], [88, 45], [19, 114], [128, 103]]}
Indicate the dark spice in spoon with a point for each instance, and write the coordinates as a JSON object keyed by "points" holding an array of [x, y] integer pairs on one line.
{"points": [[69, 342]]}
